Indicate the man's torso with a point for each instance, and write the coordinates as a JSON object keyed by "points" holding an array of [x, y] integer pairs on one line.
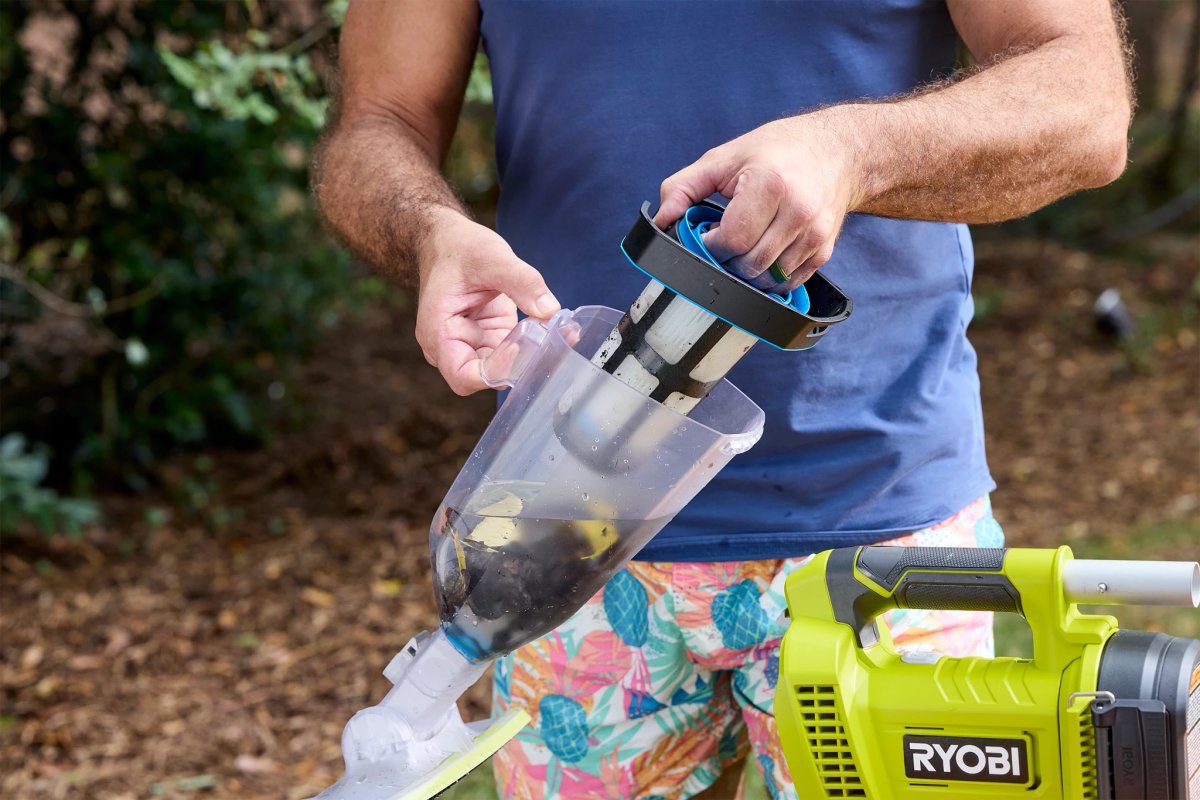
{"points": [[878, 430]]}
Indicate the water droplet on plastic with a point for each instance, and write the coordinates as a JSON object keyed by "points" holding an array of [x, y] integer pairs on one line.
{"points": [[594, 448]]}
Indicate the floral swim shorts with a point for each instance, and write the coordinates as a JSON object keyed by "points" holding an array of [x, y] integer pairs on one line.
{"points": [[667, 676]]}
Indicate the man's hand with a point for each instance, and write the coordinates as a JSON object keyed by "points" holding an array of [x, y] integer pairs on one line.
{"points": [[789, 184], [471, 285], [404, 66], [1047, 115]]}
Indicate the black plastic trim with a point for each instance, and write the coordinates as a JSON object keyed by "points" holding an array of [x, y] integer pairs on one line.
{"points": [[1138, 667], [667, 261]]}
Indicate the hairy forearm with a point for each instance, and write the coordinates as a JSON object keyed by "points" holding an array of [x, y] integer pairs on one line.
{"points": [[379, 189], [997, 144]]}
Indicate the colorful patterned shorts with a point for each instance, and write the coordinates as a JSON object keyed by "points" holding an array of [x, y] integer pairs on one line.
{"points": [[667, 676]]}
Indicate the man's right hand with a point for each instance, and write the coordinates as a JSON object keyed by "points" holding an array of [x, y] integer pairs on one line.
{"points": [[404, 66], [471, 286]]}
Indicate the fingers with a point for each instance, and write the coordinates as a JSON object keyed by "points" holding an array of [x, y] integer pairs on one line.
{"points": [[757, 198], [468, 303], [523, 283], [456, 342], [770, 237], [808, 253], [708, 175], [806, 269], [775, 253], [762, 224], [459, 354], [459, 364]]}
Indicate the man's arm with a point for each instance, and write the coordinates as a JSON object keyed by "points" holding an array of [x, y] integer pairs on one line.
{"points": [[404, 65], [1046, 115]]}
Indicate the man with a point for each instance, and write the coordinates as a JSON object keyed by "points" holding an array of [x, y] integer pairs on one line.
{"points": [[800, 114]]}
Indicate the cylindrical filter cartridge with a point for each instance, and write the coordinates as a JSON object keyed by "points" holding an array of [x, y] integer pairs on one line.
{"points": [[670, 348]]}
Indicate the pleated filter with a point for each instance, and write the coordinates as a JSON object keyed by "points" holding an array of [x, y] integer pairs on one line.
{"points": [[670, 349]]}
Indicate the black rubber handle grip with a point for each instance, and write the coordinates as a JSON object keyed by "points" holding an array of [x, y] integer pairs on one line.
{"points": [[934, 578], [885, 565], [919, 592]]}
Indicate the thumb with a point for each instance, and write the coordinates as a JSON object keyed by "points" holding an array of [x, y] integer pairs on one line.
{"points": [[525, 286]]}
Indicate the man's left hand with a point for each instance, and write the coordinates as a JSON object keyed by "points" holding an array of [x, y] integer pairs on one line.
{"points": [[1047, 114], [790, 184]]}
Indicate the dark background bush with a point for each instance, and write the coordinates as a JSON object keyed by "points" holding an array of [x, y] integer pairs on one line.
{"points": [[160, 254]]}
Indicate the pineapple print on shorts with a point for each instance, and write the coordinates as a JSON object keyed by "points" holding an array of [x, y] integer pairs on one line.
{"points": [[627, 607], [739, 616], [564, 727]]}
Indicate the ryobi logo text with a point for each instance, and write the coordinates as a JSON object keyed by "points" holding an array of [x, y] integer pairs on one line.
{"points": [[966, 758]]}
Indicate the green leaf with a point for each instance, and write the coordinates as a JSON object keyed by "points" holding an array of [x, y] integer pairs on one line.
{"points": [[336, 9], [197, 782], [77, 511], [479, 87], [11, 445], [27, 469]]}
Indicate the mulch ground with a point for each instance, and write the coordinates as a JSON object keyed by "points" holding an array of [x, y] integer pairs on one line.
{"points": [[218, 652]]}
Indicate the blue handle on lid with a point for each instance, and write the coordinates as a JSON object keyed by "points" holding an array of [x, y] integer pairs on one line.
{"points": [[696, 221]]}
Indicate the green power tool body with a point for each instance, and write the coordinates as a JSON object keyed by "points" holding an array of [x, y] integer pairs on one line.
{"points": [[1096, 713]]}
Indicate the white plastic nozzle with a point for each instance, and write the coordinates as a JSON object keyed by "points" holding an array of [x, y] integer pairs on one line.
{"points": [[428, 676], [414, 743], [417, 722], [1126, 583]]}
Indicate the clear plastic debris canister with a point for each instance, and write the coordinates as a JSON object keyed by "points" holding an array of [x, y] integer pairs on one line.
{"points": [[576, 472]]}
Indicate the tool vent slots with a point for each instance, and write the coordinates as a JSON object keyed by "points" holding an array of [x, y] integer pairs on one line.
{"points": [[828, 743], [1087, 755]]}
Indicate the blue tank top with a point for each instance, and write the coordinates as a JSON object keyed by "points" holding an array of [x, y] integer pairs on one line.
{"points": [[878, 430]]}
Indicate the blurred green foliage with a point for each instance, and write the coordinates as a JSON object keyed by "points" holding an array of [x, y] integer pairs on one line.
{"points": [[253, 84], [471, 163], [161, 260], [23, 498]]}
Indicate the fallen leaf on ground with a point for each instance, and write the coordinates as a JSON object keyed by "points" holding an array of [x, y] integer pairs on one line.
{"points": [[255, 765], [318, 597]]}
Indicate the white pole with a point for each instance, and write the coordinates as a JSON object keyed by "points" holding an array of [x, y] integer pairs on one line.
{"points": [[1123, 583]]}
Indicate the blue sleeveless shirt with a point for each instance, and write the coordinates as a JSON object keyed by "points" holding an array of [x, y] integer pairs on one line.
{"points": [[878, 430]]}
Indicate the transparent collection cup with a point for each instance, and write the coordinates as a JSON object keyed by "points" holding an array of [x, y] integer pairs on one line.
{"points": [[574, 475]]}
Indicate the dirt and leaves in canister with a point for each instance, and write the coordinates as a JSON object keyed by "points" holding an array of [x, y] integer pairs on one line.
{"points": [[211, 639]]}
